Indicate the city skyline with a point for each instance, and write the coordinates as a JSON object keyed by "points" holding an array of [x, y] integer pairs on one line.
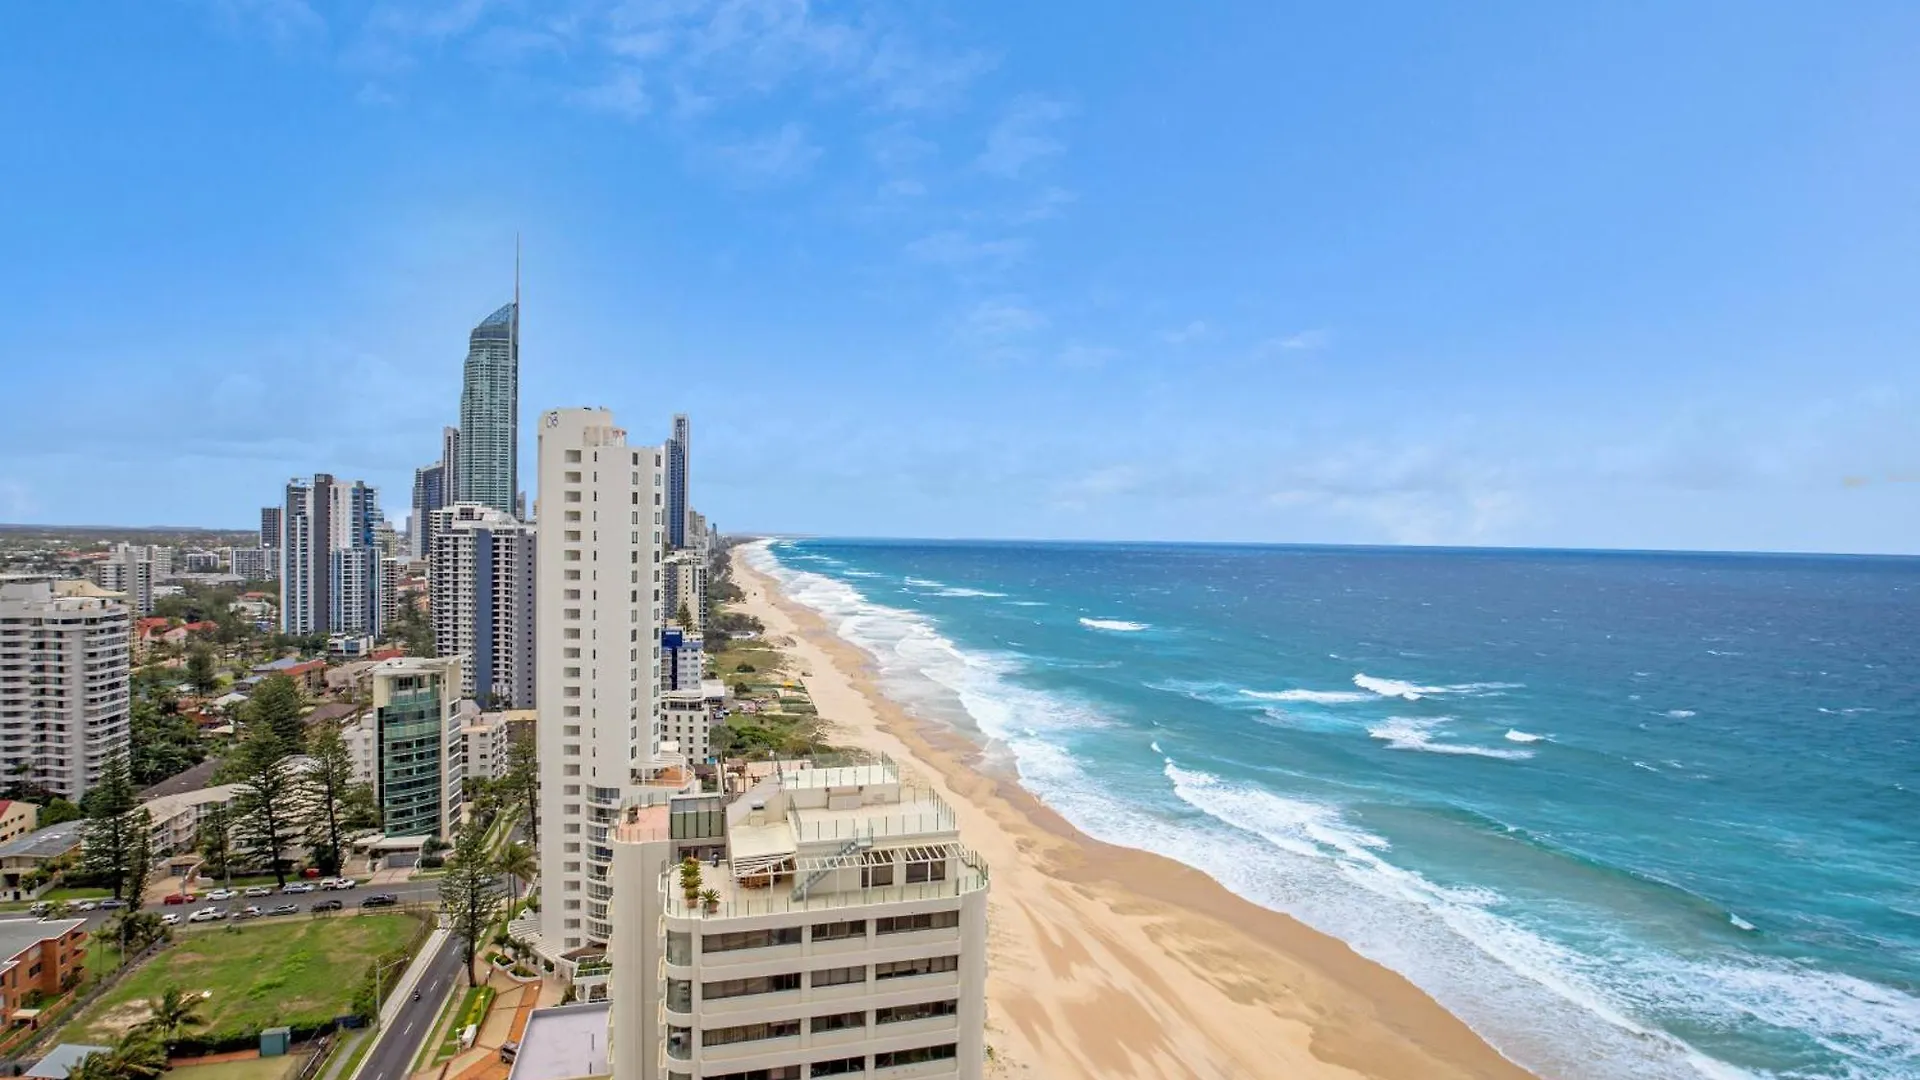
{"points": [[967, 272]]}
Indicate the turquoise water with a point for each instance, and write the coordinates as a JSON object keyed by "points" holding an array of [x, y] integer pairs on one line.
{"points": [[1629, 815]]}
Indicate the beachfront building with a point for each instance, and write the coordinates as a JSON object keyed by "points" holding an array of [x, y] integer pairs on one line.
{"points": [[683, 582], [846, 933], [686, 719], [65, 680], [678, 450], [597, 620], [683, 663], [413, 745], [488, 472], [480, 594]]}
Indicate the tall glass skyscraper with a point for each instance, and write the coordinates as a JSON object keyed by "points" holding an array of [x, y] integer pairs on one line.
{"points": [[489, 468], [679, 447]]}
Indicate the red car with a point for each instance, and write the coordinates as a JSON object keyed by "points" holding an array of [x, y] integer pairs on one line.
{"points": [[182, 898]]}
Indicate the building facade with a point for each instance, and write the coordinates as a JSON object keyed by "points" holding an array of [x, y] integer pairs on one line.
{"points": [[847, 935], [480, 592], [597, 617], [133, 570], [489, 465], [678, 449], [683, 660], [65, 678], [683, 581], [306, 529], [270, 526], [44, 957], [418, 748]]}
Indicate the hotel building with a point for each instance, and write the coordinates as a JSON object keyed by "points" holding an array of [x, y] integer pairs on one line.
{"points": [[845, 933]]}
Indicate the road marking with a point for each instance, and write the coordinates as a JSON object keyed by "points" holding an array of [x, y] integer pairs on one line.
{"points": [[408, 1028]]}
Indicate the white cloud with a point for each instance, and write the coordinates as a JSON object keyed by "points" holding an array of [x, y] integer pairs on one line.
{"points": [[1023, 137], [952, 247], [1001, 320], [774, 158], [1304, 341], [1187, 334], [623, 93]]}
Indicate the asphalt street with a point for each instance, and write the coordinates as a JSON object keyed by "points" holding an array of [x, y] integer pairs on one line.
{"points": [[399, 1041]]}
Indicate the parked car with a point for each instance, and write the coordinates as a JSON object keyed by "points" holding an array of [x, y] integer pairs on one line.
{"points": [[171, 918], [81, 905], [40, 908], [385, 899], [110, 904], [222, 894], [259, 890], [325, 905], [182, 898], [207, 914], [340, 883], [298, 887], [284, 909], [251, 911]]}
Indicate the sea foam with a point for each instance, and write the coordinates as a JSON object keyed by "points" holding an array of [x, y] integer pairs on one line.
{"points": [[1119, 626], [1516, 735], [1312, 697], [1403, 733]]}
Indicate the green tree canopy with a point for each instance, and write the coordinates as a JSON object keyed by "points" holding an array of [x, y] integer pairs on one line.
{"points": [[277, 703]]}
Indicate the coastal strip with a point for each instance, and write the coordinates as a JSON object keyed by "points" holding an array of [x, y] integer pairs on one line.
{"points": [[1107, 962]]}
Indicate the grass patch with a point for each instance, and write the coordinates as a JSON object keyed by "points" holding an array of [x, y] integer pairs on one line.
{"points": [[272, 1068], [55, 896], [472, 1010], [263, 975]]}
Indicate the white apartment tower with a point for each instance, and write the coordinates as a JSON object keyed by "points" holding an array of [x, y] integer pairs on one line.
{"points": [[845, 935], [132, 569], [64, 681], [684, 582], [597, 620], [480, 587]]}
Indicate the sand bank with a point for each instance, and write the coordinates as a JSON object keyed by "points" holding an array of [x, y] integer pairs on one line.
{"points": [[1107, 962]]}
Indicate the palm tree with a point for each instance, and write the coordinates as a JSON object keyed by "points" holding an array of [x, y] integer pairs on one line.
{"points": [[137, 1056], [172, 1013], [517, 862]]}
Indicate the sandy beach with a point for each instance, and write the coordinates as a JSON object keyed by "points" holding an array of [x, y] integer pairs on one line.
{"points": [[1107, 962]]}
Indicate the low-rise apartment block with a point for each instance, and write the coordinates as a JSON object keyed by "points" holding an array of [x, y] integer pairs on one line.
{"points": [[838, 928], [44, 955]]}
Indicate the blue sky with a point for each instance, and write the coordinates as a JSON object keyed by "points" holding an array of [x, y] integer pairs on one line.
{"points": [[1638, 275]]}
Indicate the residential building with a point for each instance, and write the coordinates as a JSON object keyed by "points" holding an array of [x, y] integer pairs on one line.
{"points": [[22, 855], [678, 449], [202, 562], [848, 936], [270, 526], [686, 719], [175, 819], [418, 749], [597, 617], [355, 579], [306, 567], [388, 601], [683, 581], [45, 956], [131, 571], [683, 662], [480, 595], [17, 819], [429, 494], [697, 539], [487, 735], [489, 471], [65, 673], [251, 563]]}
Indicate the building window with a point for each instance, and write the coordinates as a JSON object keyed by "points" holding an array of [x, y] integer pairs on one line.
{"points": [[902, 969], [943, 1052], [778, 1072], [765, 984], [839, 1022], [877, 871], [840, 931], [918, 872], [838, 1067], [841, 976], [679, 947], [906, 924], [926, 1010], [778, 1029], [750, 939]]}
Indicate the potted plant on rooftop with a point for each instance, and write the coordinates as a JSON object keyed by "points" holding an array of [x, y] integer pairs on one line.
{"points": [[710, 899]]}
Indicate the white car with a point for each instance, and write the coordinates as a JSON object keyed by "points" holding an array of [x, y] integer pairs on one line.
{"points": [[259, 890], [340, 883], [171, 918], [297, 886], [222, 894], [207, 914], [83, 905]]}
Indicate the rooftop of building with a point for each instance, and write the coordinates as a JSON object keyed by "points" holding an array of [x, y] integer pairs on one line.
{"points": [[19, 935], [193, 779], [331, 712], [563, 1043], [499, 319], [47, 843], [60, 1061]]}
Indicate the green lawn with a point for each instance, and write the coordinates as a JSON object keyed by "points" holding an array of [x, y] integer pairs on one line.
{"points": [[55, 896], [472, 1010], [260, 976], [272, 1068]]}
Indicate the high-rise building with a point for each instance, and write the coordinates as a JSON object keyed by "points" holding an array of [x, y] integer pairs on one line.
{"points": [[480, 589], [845, 933], [329, 558], [355, 580], [419, 747], [65, 674], [270, 526], [433, 488], [679, 448], [683, 584], [132, 570], [389, 599], [597, 618], [489, 472], [251, 563], [682, 660], [450, 459]]}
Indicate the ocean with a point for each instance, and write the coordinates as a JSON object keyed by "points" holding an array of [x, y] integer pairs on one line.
{"points": [[1627, 815]]}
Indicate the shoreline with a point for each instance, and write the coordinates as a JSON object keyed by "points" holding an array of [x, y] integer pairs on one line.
{"points": [[1105, 961]]}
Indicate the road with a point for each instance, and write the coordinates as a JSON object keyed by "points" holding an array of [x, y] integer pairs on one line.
{"points": [[399, 1041], [409, 892]]}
